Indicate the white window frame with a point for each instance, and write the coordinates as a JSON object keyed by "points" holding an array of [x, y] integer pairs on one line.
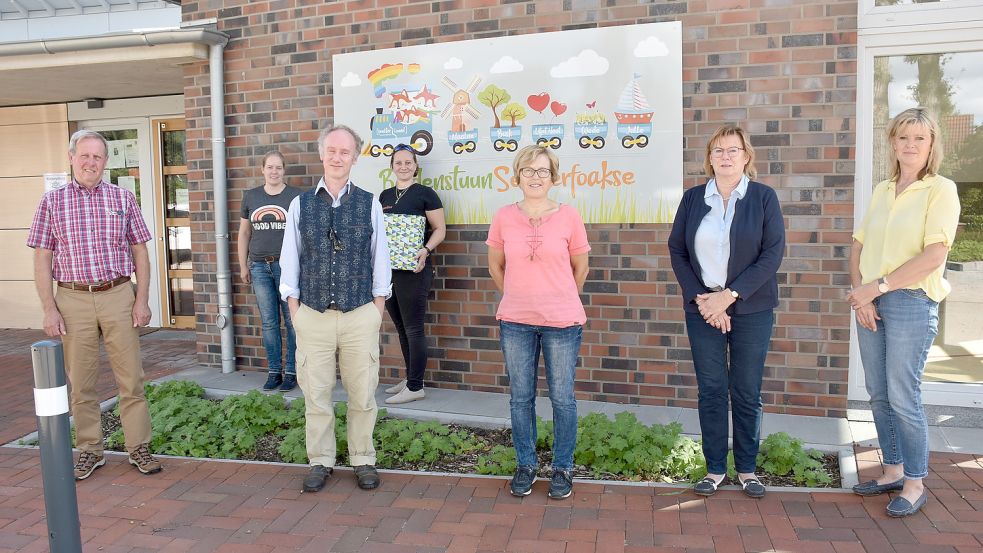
{"points": [[927, 37], [871, 16]]}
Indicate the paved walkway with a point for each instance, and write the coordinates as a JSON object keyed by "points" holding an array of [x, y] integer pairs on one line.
{"points": [[250, 507]]}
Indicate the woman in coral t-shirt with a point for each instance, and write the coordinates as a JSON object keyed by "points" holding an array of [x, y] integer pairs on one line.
{"points": [[537, 256]]}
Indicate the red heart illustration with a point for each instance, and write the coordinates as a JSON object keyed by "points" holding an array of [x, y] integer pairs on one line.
{"points": [[558, 108], [538, 102]]}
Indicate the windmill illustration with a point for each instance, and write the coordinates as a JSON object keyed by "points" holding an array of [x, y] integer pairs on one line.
{"points": [[460, 104]]}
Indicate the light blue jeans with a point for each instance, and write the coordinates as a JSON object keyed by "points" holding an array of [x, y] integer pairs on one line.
{"points": [[266, 286], [894, 360], [521, 345]]}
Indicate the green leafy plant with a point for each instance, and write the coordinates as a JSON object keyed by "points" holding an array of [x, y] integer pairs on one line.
{"points": [[627, 447], [783, 455], [499, 461], [414, 442]]}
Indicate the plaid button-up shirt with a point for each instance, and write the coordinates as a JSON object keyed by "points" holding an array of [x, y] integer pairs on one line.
{"points": [[90, 232]]}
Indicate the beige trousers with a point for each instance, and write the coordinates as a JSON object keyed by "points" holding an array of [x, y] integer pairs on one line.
{"points": [[89, 315], [354, 337]]}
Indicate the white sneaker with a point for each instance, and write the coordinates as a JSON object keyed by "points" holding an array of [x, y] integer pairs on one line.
{"points": [[405, 396], [396, 388]]}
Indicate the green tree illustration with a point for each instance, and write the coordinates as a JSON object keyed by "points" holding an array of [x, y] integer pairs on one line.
{"points": [[492, 96]]}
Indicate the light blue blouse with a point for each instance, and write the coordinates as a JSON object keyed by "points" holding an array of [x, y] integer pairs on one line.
{"points": [[713, 236]]}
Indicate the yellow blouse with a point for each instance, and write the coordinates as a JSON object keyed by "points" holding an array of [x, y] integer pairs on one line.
{"points": [[897, 229]]}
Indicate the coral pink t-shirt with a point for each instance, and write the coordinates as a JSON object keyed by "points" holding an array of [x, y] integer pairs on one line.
{"points": [[539, 285]]}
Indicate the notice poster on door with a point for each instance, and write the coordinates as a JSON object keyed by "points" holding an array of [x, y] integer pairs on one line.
{"points": [[607, 101]]}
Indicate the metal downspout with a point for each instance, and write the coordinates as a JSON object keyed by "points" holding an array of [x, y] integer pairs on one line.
{"points": [[223, 276]]}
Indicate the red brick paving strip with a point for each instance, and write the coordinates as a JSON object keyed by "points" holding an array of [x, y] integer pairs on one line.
{"points": [[160, 358], [243, 508]]}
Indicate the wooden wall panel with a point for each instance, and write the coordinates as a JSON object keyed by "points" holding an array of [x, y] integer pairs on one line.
{"points": [[19, 305], [21, 197]]}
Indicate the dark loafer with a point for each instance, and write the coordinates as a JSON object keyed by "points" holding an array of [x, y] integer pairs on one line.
{"points": [[706, 487], [901, 507], [314, 480], [367, 477], [752, 487], [871, 487]]}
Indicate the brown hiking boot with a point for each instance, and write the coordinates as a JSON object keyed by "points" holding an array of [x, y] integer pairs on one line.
{"points": [[144, 461], [87, 464]]}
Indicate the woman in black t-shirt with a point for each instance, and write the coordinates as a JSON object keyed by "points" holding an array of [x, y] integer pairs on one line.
{"points": [[415, 227]]}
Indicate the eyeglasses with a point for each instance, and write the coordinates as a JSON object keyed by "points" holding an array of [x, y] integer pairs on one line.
{"points": [[529, 173], [731, 152]]}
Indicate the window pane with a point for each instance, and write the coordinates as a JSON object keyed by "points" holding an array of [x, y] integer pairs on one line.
{"points": [[179, 247], [176, 188], [949, 85], [182, 296], [174, 148]]}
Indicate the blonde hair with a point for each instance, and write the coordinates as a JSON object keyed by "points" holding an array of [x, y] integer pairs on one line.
{"points": [[905, 119], [731, 130], [273, 153], [529, 153]]}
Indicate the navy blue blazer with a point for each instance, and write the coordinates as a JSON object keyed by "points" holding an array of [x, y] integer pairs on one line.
{"points": [[757, 245]]}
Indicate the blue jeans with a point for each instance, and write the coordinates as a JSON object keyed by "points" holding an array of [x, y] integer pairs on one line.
{"points": [[894, 360], [266, 286], [731, 365], [521, 345]]}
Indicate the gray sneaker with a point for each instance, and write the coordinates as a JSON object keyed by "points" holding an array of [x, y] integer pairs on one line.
{"points": [[522, 481], [561, 484]]}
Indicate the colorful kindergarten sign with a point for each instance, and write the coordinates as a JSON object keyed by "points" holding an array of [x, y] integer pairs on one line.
{"points": [[608, 101]]}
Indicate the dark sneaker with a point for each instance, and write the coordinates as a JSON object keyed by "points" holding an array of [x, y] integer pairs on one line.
{"points": [[522, 481], [367, 477], [144, 461], [273, 381], [315, 479], [561, 484], [289, 383], [87, 464]]}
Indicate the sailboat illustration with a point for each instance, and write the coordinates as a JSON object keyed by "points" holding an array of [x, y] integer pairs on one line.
{"points": [[634, 115]]}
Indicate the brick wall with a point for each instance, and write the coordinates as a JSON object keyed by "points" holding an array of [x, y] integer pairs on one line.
{"points": [[786, 72]]}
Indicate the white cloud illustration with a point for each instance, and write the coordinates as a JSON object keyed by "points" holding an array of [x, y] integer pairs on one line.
{"points": [[587, 63], [453, 63], [651, 47], [506, 64], [350, 79]]}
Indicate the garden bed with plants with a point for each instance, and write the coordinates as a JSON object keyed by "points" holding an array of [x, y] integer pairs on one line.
{"points": [[262, 427]]}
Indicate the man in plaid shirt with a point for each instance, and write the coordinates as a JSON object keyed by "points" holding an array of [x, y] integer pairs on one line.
{"points": [[89, 236]]}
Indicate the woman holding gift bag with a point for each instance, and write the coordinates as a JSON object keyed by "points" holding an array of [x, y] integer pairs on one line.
{"points": [[414, 227]]}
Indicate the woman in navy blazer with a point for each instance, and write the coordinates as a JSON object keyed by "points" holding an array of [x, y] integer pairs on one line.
{"points": [[726, 246]]}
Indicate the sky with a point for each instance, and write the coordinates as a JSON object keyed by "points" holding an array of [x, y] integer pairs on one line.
{"points": [[963, 69]]}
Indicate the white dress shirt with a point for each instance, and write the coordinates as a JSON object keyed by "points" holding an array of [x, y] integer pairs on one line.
{"points": [[712, 241], [292, 248]]}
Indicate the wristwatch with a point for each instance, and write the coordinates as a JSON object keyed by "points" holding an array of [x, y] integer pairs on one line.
{"points": [[429, 251], [882, 285], [734, 294]]}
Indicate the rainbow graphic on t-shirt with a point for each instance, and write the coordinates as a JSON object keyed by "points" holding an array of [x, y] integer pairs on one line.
{"points": [[269, 217]]}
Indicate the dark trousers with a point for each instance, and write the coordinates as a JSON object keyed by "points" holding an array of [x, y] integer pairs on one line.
{"points": [[730, 365], [408, 307]]}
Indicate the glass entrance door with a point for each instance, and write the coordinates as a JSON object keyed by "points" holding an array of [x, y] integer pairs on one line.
{"points": [[171, 190]]}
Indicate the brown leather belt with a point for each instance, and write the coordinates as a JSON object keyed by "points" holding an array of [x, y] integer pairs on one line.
{"points": [[98, 287]]}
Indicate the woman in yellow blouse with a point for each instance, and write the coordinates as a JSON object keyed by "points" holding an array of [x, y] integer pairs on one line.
{"points": [[896, 267]]}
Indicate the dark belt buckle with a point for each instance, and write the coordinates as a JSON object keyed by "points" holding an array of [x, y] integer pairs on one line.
{"points": [[334, 306], [271, 258], [717, 289]]}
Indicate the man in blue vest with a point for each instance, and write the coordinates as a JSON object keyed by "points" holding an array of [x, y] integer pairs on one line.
{"points": [[335, 278]]}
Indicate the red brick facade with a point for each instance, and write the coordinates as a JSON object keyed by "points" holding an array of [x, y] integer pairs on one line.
{"points": [[787, 73]]}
